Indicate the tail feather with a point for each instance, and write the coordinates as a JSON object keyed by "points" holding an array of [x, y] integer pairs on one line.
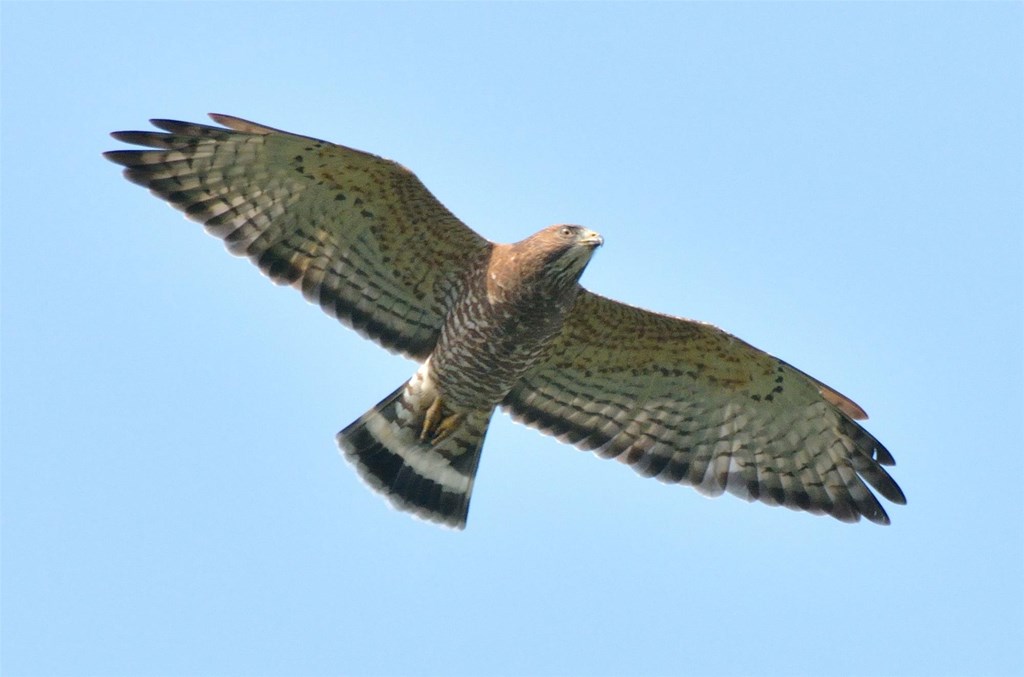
{"points": [[432, 481]]}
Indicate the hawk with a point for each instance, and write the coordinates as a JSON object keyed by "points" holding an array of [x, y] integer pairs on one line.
{"points": [[506, 326]]}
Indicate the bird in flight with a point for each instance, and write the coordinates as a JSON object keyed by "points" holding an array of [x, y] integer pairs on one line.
{"points": [[505, 326]]}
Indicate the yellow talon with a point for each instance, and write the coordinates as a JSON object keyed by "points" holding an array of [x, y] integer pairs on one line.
{"points": [[436, 426], [449, 425], [430, 421]]}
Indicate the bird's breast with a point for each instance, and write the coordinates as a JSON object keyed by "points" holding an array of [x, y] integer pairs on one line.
{"points": [[486, 347]]}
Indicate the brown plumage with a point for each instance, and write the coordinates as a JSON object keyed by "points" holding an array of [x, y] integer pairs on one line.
{"points": [[506, 325], [421, 445]]}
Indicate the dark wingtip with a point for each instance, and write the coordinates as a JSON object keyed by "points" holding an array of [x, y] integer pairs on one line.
{"points": [[120, 157], [898, 497], [172, 125], [881, 517]]}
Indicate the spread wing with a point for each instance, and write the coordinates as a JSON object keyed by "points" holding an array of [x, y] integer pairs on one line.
{"points": [[685, 402], [359, 235]]}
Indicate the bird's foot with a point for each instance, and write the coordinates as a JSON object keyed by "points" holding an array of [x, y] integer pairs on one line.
{"points": [[438, 424], [447, 426]]}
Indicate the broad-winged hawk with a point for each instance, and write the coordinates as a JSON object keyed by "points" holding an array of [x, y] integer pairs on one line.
{"points": [[509, 326]]}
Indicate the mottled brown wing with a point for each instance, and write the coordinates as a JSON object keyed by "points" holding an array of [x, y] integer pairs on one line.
{"points": [[685, 402], [359, 235]]}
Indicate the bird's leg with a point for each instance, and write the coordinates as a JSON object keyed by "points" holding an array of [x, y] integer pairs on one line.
{"points": [[437, 426], [431, 419], [446, 427]]}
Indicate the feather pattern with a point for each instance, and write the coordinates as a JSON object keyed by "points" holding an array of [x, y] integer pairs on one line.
{"points": [[687, 403], [506, 325], [359, 235]]}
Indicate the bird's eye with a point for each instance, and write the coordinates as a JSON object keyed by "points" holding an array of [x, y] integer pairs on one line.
{"points": [[566, 232]]}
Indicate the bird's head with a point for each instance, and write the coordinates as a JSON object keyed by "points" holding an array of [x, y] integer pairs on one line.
{"points": [[563, 251], [548, 263]]}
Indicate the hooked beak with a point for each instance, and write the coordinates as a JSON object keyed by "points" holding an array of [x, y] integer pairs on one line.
{"points": [[591, 238]]}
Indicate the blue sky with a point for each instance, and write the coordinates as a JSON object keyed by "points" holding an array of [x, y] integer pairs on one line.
{"points": [[838, 184]]}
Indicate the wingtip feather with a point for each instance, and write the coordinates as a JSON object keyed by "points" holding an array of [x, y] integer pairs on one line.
{"points": [[243, 125]]}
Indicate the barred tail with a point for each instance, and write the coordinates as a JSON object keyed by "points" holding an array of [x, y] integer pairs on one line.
{"points": [[431, 480]]}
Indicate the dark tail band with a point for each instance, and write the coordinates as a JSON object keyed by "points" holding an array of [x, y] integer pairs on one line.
{"points": [[432, 481]]}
